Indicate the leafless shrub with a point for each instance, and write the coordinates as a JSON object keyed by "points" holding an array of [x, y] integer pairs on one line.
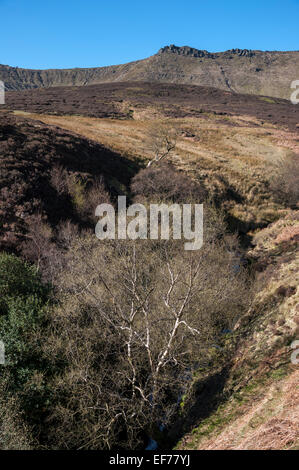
{"points": [[66, 233], [96, 194], [47, 247], [164, 182], [284, 182], [14, 434], [86, 195], [59, 179], [38, 239]]}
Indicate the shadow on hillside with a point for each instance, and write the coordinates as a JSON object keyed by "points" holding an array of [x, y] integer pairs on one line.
{"points": [[207, 396], [30, 151], [242, 228]]}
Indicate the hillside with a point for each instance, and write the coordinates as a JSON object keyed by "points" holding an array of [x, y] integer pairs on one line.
{"points": [[44, 170], [64, 150], [126, 100], [229, 142], [267, 73], [256, 403]]}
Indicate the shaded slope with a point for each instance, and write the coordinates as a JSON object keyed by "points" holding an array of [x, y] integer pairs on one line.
{"points": [[30, 152]]}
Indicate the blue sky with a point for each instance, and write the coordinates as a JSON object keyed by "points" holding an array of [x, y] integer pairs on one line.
{"points": [[87, 33]]}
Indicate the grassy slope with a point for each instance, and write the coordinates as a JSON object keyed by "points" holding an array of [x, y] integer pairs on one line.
{"points": [[232, 156]]}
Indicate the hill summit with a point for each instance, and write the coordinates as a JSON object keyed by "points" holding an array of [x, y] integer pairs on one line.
{"points": [[192, 52]]}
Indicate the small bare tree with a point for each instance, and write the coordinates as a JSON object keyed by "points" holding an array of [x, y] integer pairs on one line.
{"points": [[161, 140]]}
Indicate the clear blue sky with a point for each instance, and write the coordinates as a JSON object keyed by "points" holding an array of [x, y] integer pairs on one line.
{"points": [[87, 33]]}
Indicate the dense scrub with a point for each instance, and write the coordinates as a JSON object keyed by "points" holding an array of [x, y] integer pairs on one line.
{"points": [[129, 322], [164, 182], [23, 393], [134, 320]]}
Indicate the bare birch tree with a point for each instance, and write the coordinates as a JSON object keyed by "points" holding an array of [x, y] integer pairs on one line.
{"points": [[161, 141], [134, 318]]}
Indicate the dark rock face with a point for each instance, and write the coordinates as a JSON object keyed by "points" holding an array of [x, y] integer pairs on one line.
{"points": [[192, 52], [186, 50], [241, 52]]}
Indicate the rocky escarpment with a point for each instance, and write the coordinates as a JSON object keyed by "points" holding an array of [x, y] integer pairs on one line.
{"points": [[268, 73], [185, 50], [192, 52]]}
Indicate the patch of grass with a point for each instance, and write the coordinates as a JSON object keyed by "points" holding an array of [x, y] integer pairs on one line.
{"points": [[77, 191], [268, 100]]}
